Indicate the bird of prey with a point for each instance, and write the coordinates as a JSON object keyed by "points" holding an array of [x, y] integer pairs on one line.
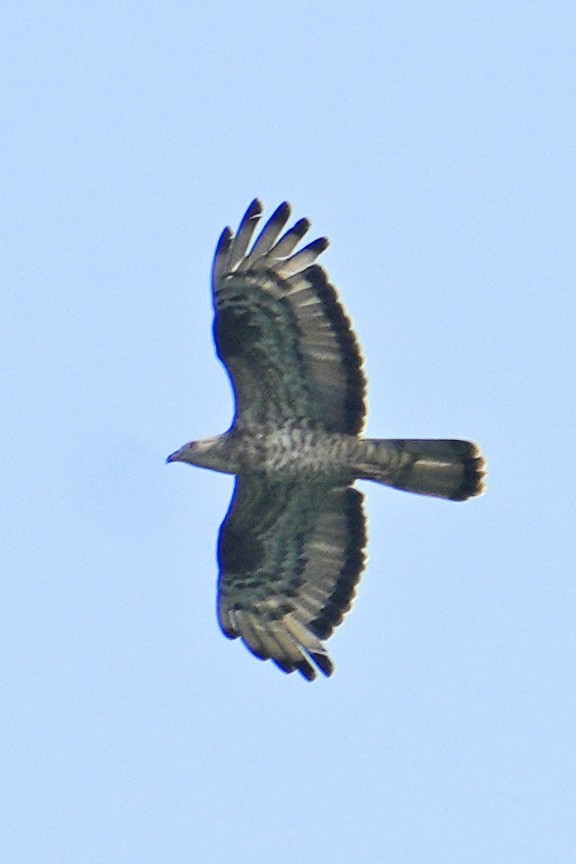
{"points": [[291, 547]]}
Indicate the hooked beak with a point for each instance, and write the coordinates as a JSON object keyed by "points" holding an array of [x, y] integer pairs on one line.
{"points": [[177, 456]]}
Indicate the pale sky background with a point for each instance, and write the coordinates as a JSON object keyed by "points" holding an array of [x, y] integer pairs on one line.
{"points": [[434, 143]]}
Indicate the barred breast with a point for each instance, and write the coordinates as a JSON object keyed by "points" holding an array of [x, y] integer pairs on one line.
{"points": [[294, 452]]}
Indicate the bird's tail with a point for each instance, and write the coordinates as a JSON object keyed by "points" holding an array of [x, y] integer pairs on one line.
{"points": [[445, 469]]}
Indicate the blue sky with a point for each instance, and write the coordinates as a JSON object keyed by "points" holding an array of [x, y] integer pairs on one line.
{"points": [[434, 143]]}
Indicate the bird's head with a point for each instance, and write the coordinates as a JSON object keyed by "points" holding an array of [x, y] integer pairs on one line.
{"points": [[207, 453]]}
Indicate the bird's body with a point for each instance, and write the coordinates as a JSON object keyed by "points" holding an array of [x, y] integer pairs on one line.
{"points": [[291, 546], [286, 451], [296, 453]]}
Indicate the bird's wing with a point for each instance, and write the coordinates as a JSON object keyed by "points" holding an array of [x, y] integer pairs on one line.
{"points": [[281, 331], [290, 555]]}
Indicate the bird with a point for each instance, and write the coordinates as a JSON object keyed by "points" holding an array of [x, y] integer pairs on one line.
{"points": [[291, 548]]}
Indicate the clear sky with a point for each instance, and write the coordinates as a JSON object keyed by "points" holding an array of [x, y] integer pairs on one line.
{"points": [[434, 143]]}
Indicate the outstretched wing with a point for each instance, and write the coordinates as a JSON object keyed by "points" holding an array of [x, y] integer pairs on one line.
{"points": [[290, 555], [281, 331]]}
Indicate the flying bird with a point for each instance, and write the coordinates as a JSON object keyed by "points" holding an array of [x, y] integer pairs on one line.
{"points": [[291, 547]]}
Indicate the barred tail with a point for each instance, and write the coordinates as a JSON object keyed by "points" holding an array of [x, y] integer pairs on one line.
{"points": [[445, 469]]}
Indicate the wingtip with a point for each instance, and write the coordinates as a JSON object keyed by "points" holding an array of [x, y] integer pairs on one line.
{"points": [[221, 255], [283, 209], [255, 209], [319, 245], [323, 662]]}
